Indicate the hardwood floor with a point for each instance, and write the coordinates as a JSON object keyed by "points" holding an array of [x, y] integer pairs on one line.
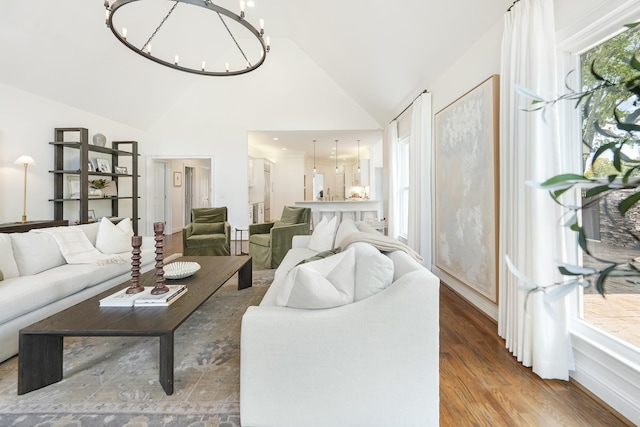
{"points": [[481, 384]]}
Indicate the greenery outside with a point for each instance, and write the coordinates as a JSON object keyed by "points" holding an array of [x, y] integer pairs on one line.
{"points": [[609, 102]]}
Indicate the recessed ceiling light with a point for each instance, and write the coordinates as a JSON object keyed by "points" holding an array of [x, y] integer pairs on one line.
{"points": [[250, 3], [275, 139], [284, 148]]}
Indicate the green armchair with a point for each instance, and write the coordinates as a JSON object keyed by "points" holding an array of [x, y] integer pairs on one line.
{"points": [[269, 242], [209, 233]]}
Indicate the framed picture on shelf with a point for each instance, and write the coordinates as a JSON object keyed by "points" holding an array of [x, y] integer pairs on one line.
{"points": [[73, 186], [177, 179], [92, 215], [90, 167], [111, 190], [120, 169], [104, 165]]}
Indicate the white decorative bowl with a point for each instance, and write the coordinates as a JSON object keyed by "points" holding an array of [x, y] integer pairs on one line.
{"points": [[180, 270]]}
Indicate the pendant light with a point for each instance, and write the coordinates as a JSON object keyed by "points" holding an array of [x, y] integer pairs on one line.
{"points": [[314, 156], [358, 155], [336, 156]]}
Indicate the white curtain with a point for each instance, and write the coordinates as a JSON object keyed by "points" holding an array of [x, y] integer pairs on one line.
{"points": [[530, 222], [393, 210], [420, 149]]}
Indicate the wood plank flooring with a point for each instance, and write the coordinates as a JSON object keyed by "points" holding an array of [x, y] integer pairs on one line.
{"points": [[481, 384]]}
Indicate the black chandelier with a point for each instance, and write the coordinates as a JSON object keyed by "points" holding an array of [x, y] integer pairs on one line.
{"points": [[142, 25]]}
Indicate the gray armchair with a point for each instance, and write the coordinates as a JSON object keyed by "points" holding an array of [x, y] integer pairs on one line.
{"points": [[209, 233], [269, 242]]}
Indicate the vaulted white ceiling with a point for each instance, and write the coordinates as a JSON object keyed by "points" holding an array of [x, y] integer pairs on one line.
{"points": [[381, 53]]}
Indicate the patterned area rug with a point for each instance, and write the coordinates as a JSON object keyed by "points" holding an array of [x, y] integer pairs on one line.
{"points": [[114, 381]]}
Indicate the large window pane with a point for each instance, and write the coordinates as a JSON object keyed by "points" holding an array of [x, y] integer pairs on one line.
{"points": [[609, 233]]}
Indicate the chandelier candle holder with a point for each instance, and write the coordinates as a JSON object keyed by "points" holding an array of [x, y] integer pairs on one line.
{"points": [[136, 287], [218, 43], [160, 287]]}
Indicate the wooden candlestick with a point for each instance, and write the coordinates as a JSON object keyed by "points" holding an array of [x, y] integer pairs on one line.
{"points": [[160, 287], [136, 242]]}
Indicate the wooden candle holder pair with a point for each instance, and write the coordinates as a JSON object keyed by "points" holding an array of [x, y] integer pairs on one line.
{"points": [[136, 242]]}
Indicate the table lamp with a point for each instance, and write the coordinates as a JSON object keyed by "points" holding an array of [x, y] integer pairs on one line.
{"points": [[26, 161]]}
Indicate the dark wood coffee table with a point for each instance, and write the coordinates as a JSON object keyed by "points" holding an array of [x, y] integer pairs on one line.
{"points": [[41, 344]]}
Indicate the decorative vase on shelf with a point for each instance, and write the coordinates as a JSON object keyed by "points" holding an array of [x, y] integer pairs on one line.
{"points": [[99, 140]]}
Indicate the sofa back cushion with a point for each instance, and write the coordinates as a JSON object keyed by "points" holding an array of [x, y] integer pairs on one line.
{"points": [[402, 264], [8, 264], [91, 230], [208, 228], [35, 252]]}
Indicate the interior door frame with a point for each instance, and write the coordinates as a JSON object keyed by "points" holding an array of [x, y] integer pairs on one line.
{"points": [[149, 186]]}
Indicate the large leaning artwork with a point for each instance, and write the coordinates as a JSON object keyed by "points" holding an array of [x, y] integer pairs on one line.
{"points": [[466, 188]]}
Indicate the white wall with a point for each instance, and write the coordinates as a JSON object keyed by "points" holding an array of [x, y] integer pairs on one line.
{"points": [[213, 118], [27, 125], [287, 179], [471, 69]]}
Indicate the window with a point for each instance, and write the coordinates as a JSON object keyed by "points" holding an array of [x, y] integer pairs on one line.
{"points": [[608, 232]]}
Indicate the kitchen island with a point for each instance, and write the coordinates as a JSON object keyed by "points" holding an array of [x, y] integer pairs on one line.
{"points": [[357, 209]]}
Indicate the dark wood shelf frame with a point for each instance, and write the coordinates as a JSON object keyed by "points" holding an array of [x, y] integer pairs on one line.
{"points": [[84, 149]]}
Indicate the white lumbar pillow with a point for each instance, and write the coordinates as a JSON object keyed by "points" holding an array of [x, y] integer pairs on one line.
{"points": [[374, 273], [323, 234], [114, 239], [326, 283]]}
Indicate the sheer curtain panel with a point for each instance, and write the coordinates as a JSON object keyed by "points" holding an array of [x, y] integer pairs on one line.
{"points": [[420, 155], [393, 210], [531, 234]]}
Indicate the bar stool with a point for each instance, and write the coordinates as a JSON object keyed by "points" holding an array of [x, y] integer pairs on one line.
{"points": [[371, 214], [329, 214], [353, 214]]}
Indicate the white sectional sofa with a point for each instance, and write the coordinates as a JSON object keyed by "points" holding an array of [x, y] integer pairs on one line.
{"points": [[38, 282], [372, 362]]}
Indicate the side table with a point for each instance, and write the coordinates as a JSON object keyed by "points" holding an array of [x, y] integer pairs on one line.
{"points": [[241, 230]]}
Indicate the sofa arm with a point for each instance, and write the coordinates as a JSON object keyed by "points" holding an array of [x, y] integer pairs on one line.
{"points": [[227, 233], [187, 231], [281, 240], [261, 228], [340, 366]]}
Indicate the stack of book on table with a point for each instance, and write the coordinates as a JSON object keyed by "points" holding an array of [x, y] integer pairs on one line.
{"points": [[144, 298]]}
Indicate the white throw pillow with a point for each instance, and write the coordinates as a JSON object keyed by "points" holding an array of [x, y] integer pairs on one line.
{"points": [[114, 238], [323, 234], [347, 226], [317, 289], [374, 273]]}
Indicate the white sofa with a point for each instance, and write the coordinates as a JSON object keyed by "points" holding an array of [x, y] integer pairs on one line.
{"points": [[374, 362], [38, 282]]}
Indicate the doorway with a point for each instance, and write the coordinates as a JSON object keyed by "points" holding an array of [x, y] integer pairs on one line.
{"points": [[166, 200], [189, 195], [159, 198]]}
